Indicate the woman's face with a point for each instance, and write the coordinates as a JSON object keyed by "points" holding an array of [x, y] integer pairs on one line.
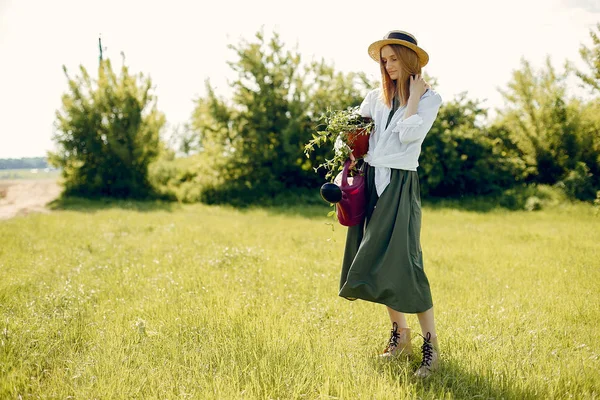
{"points": [[390, 61]]}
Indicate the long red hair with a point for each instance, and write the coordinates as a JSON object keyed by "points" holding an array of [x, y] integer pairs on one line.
{"points": [[409, 65]]}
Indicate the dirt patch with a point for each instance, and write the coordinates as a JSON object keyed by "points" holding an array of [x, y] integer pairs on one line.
{"points": [[26, 196]]}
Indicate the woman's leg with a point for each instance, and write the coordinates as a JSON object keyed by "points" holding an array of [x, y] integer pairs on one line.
{"points": [[397, 317], [427, 323]]}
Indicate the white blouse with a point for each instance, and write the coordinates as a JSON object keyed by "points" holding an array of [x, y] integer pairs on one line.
{"points": [[398, 146]]}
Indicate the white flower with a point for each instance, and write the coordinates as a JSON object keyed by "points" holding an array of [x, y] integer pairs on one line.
{"points": [[339, 144]]}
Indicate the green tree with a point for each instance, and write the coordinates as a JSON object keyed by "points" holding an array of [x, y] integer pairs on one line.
{"points": [[183, 140], [461, 157], [26, 162], [589, 174], [591, 57], [107, 133], [543, 122], [255, 142]]}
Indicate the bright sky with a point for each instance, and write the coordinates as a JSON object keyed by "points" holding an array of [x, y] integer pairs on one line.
{"points": [[473, 46]]}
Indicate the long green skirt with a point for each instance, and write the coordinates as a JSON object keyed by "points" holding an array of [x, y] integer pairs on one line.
{"points": [[383, 261]]}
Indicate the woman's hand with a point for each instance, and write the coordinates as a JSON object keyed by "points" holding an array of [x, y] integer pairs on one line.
{"points": [[418, 86], [352, 160]]}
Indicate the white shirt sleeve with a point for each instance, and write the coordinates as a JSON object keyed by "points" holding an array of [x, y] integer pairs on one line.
{"points": [[418, 125], [366, 107]]}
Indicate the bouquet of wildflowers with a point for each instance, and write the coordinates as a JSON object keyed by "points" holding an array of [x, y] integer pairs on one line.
{"points": [[347, 131]]}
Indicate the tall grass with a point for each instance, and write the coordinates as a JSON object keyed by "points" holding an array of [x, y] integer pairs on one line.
{"points": [[126, 300]]}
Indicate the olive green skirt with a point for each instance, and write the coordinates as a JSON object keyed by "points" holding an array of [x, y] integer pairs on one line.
{"points": [[383, 261]]}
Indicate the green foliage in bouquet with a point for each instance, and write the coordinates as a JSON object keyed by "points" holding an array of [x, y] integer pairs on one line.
{"points": [[339, 128]]}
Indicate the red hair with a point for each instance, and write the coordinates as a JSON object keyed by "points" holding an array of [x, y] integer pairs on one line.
{"points": [[409, 65]]}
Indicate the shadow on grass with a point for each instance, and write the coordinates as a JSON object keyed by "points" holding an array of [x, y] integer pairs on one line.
{"points": [[472, 204], [451, 380], [519, 198], [311, 205], [310, 211], [302, 203], [307, 203], [100, 204], [314, 207]]}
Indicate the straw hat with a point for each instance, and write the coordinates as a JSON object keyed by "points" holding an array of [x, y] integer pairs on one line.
{"points": [[402, 38]]}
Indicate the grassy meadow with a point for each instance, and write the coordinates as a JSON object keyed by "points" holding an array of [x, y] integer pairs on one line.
{"points": [[132, 300], [33, 173]]}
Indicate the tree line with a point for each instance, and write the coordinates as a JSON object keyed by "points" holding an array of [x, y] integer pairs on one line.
{"points": [[249, 148], [23, 163]]}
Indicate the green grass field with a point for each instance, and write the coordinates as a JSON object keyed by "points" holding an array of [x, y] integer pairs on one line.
{"points": [[13, 174], [132, 300]]}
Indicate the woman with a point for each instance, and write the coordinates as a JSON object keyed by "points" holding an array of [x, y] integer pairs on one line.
{"points": [[383, 261]]}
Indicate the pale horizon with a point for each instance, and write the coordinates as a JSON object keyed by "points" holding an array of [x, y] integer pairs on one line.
{"points": [[473, 47]]}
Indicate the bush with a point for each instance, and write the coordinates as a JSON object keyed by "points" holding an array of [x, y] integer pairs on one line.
{"points": [[181, 179], [579, 183], [459, 158], [192, 179], [533, 203], [255, 141], [532, 197], [107, 134]]}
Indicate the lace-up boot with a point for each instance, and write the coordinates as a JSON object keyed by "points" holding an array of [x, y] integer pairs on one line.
{"points": [[399, 343], [430, 360]]}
